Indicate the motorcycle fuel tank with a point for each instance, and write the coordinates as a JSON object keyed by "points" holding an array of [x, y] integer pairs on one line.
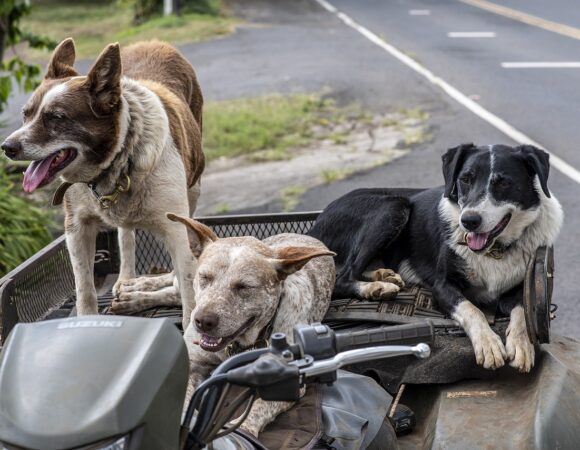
{"points": [[68, 383]]}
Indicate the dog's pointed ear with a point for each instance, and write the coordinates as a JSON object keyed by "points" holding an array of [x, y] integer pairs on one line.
{"points": [[288, 260], [452, 163], [199, 235], [62, 61], [538, 163], [104, 81]]}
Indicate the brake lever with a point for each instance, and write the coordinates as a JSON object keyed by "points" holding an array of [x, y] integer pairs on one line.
{"points": [[331, 365]]}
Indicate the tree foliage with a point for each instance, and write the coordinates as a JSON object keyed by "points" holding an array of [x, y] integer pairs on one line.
{"points": [[15, 69], [24, 228]]}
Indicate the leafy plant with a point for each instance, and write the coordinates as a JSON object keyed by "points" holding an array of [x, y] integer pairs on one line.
{"points": [[25, 75], [24, 228]]}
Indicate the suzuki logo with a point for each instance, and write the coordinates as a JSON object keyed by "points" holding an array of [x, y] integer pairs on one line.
{"points": [[90, 324]]}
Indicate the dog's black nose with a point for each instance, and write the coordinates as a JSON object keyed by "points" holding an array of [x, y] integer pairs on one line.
{"points": [[206, 321], [11, 148], [471, 221]]}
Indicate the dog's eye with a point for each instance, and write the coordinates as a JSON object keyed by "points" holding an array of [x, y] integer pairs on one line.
{"points": [[26, 113], [242, 286], [466, 180], [54, 115]]}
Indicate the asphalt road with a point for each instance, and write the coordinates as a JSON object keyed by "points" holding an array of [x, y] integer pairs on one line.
{"points": [[299, 46], [542, 103]]}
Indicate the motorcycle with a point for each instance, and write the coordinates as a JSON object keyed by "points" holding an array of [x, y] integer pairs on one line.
{"points": [[119, 383]]}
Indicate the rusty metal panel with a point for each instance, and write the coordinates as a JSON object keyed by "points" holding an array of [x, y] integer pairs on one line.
{"points": [[539, 410]]}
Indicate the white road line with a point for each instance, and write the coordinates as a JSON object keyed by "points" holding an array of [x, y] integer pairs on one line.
{"points": [[419, 12], [471, 34], [516, 135], [541, 65]]}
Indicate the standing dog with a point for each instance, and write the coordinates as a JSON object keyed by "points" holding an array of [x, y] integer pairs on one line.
{"points": [[470, 240], [126, 141], [246, 290]]}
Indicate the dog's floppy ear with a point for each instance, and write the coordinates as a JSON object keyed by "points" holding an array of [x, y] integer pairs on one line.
{"points": [[538, 163], [62, 60], [199, 234], [104, 81], [288, 260], [452, 163]]}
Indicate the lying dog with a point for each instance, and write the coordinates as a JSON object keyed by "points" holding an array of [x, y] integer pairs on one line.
{"points": [[247, 289], [126, 140], [469, 241]]}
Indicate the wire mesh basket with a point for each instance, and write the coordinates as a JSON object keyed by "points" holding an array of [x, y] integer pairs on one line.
{"points": [[43, 286]]}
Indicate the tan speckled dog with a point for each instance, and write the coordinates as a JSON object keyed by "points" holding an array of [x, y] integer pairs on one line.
{"points": [[247, 289]]}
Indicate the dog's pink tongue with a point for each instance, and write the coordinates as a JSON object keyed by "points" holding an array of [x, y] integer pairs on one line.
{"points": [[36, 173], [476, 241]]}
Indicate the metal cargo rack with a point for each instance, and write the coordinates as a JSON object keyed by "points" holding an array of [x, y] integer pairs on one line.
{"points": [[43, 287]]}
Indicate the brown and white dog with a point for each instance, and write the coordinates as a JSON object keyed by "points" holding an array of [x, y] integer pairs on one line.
{"points": [[126, 141], [247, 289]]}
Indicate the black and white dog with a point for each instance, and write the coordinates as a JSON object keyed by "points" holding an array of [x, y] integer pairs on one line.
{"points": [[469, 241]]}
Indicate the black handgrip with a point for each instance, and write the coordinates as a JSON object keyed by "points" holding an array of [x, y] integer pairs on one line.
{"points": [[410, 334]]}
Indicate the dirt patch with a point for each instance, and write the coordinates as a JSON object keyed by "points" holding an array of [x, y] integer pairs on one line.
{"points": [[353, 146]]}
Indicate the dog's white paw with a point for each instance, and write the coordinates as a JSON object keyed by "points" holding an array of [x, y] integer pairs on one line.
{"points": [[118, 286], [142, 284], [126, 302], [388, 276], [489, 349], [520, 351], [379, 290]]}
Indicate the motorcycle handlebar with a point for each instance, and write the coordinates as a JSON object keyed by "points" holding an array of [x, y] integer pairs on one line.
{"points": [[410, 334]]}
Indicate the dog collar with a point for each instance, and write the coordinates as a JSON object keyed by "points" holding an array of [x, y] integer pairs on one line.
{"points": [[110, 199], [104, 200]]}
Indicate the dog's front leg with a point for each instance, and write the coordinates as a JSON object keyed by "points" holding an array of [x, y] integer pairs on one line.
{"points": [[520, 350], [127, 250], [176, 240], [81, 241], [487, 345], [263, 413]]}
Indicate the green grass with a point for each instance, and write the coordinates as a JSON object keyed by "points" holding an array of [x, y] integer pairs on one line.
{"points": [[291, 196], [416, 136], [264, 128], [94, 24], [414, 113], [334, 175], [222, 208]]}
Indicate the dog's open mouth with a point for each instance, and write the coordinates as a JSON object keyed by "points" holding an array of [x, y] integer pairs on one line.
{"points": [[479, 242], [40, 173], [215, 344]]}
